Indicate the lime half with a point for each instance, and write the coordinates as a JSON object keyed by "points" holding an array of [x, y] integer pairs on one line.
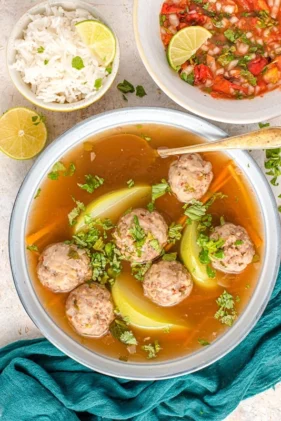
{"points": [[99, 38], [23, 133], [185, 43]]}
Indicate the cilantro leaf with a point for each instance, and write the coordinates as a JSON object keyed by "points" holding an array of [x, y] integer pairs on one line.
{"points": [[249, 76], [152, 349], [150, 207], [125, 87], [169, 257], [203, 342], [273, 164], [160, 189], [77, 63], [98, 83], [174, 232], [188, 78], [32, 247], [140, 91], [120, 331], [40, 50], [130, 183], [72, 216], [139, 270], [92, 183], [262, 125], [226, 313], [37, 193]]}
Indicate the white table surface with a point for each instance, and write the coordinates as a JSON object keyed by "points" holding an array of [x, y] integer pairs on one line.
{"points": [[14, 322]]}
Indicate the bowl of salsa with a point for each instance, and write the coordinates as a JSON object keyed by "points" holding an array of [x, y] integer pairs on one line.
{"points": [[234, 75]]}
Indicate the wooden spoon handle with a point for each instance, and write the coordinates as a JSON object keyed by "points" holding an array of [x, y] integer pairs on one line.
{"points": [[267, 138]]}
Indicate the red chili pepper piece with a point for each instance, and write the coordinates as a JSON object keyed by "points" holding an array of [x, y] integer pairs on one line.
{"points": [[168, 10], [195, 18]]}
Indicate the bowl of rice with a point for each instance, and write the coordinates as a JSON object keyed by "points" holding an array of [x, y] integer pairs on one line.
{"points": [[48, 62]]}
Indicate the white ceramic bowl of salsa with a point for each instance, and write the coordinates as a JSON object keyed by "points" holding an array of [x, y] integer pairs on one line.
{"points": [[153, 55]]}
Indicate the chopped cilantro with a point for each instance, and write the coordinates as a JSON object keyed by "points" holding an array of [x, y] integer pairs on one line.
{"points": [[188, 78], [109, 69], [93, 182], [169, 257], [263, 125], [210, 272], [125, 87], [140, 91], [37, 119], [273, 164], [162, 19], [195, 210], [227, 55], [167, 329], [147, 138], [72, 216], [32, 247], [77, 63], [120, 331], [37, 193], [232, 35], [46, 62], [98, 83], [139, 270], [226, 313], [137, 232], [222, 220], [150, 207], [152, 349], [238, 243], [155, 245], [160, 189], [124, 97], [60, 169], [174, 232], [40, 50], [130, 183], [203, 342], [211, 249]]}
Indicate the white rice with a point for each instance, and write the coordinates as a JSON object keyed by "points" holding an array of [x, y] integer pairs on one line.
{"points": [[50, 74]]}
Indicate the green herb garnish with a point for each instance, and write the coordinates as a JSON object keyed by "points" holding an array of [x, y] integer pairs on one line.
{"points": [[273, 164], [93, 182], [174, 232], [150, 207], [77, 63], [226, 313], [37, 193], [249, 76], [130, 183], [32, 247], [160, 189], [169, 257], [72, 216], [98, 83], [203, 342], [139, 270], [60, 169], [120, 331], [40, 50], [140, 91], [46, 62], [263, 125], [73, 254], [188, 78], [152, 349], [126, 87]]}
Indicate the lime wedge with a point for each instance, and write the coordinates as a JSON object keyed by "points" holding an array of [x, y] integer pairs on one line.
{"points": [[114, 204], [23, 133], [185, 43], [140, 312], [99, 38]]}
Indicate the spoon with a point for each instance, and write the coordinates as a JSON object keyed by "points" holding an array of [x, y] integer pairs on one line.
{"points": [[268, 138]]}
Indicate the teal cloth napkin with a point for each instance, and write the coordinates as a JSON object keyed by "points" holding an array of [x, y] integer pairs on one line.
{"points": [[40, 383]]}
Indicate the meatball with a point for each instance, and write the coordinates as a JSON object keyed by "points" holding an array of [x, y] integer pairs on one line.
{"points": [[62, 267], [167, 283], [238, 249], [140, 235], [190, 177], [90, 310]]}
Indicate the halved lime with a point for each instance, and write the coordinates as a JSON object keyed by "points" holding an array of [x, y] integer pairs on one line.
{"points": [[23, 133], [113, 205], [99, 38], [185, 43]]}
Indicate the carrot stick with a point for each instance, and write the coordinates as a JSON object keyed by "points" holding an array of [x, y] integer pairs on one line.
{"points": [[33, 238], [253, 233]]}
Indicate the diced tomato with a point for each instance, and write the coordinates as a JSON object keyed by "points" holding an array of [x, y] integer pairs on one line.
{"points": [[278, 62], [256, 65], [201, 74], [195, 18], [166, 38], [224, 86], [182, 25], [168, 10], [245, 5]]}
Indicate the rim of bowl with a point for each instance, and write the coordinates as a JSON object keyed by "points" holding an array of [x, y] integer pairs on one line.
{"points": [[24, 89], [101, 363], [231, 119]]}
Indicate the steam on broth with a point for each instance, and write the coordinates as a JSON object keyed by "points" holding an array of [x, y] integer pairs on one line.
{"points": [[126, 162]]}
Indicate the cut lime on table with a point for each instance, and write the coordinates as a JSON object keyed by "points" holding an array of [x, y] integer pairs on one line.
{"points": [[99, 38], [23, 133], [185, 43]]}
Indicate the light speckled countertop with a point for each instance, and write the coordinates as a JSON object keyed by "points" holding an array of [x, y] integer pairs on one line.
{"points": [[14, 322]]}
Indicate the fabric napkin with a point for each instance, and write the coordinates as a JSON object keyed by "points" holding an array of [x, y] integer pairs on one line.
{"points": [[38, 382]]}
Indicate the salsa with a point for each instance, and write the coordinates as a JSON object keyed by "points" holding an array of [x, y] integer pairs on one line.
{"points": [[124, 160], [242, 59]]}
